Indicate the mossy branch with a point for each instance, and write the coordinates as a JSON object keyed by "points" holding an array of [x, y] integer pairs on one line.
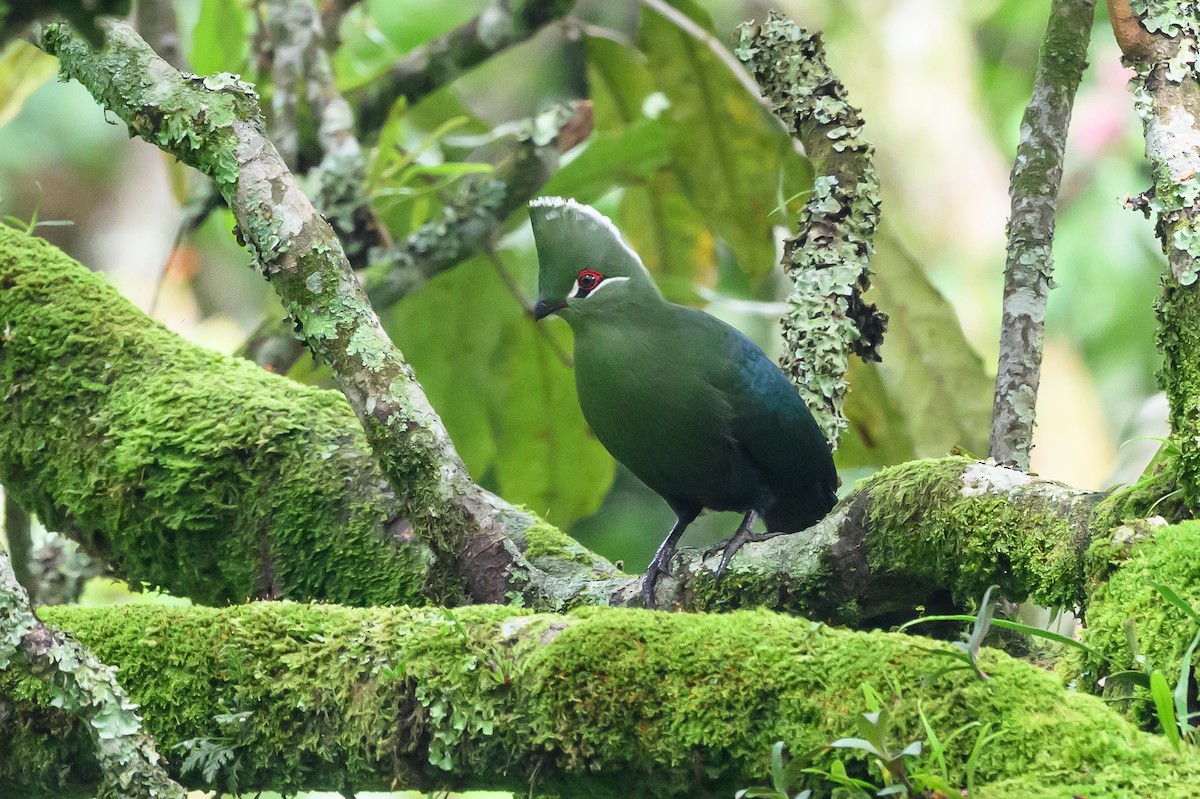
{"points": [[828, 257], [71, 677], [1033, 189], [607, 703], [221, 481], [1160, 41], [214, 124]]}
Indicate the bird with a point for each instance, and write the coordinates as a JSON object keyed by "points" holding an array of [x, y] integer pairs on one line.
{"points": [[687, 403]]}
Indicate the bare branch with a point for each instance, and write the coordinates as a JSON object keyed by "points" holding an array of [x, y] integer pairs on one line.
{"points": [[1033, 187]]}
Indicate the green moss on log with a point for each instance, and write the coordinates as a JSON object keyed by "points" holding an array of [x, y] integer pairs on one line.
{"points": [[604, 702], [184, 468], [1129, 599], [1010, 539]]}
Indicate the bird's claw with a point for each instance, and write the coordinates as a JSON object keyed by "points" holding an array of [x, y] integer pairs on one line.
{"points": [[730, 546]]}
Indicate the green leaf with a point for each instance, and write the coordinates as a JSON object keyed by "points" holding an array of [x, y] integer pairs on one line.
{"points": [[725, 147], [1174, 598], [219, 38], [632, 154], [945, 390], [1164, 707], [878, 433], [619, 82], [23, 68], [672, 239]]}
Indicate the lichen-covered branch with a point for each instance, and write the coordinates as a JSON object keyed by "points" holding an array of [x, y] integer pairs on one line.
{"points": [[443, 59], [303, 78], [522, 164], [607, 703], [828, 258], [1160, 40], [71, 678], [213, 124], [1033, 189]]}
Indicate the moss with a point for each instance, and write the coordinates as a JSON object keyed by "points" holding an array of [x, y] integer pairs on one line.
{"points": [[602, 702], [186, 469], [1010, 540], [544, 540], [1129, 598]]}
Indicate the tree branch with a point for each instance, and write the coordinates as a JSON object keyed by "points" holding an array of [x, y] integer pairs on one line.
{"points": [[1033, 187], [827, 260], [1160, 43], [130, 768], [610, 703], [443, 59], [184, 488], [213, 124]]}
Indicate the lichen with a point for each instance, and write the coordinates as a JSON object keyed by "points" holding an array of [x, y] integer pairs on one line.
{"points": [[827, 259]]}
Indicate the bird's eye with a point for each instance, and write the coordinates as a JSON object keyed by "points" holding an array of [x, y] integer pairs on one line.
{"points": [[588, 279]]}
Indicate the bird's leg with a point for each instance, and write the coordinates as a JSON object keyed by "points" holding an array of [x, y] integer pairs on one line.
{"points": [[662, 558], [732, 544]]}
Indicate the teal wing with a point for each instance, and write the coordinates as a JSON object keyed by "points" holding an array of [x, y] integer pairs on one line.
{"points": [[778, 435]]}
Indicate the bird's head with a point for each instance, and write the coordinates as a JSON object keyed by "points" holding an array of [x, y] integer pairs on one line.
{"points": [[585, 268]]}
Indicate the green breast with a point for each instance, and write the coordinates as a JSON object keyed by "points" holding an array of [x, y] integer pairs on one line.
{"points": [[647, 388]]}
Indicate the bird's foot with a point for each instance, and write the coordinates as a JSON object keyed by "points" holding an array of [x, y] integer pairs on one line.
{"points": [[658, 567], [731, 545]]}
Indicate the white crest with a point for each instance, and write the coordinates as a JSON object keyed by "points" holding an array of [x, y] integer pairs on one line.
{"points": [[566, 203]]}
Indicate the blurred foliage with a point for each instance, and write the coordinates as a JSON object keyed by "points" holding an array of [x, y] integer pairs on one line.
{"points": [[701, 180]]}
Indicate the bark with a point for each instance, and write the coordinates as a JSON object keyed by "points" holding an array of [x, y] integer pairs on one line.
{"points": [[1033, 188], [607, 703], [1160, 43]]}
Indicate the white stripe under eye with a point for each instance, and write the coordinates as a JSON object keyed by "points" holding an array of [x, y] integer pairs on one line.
{"points": [[608, 281]]}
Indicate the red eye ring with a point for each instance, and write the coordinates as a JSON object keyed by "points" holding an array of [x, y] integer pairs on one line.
{"points": [[588, 279]]}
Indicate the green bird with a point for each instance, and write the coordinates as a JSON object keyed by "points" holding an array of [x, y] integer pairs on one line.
{"points": [[687, 403]]}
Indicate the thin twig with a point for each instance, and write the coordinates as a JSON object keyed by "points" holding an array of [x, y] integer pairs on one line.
{"points": [[1029, 267]]}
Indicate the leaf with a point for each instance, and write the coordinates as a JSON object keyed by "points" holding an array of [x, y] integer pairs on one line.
{"points": [[219, 38], [619, 82], [507, 400], [672, 239], [1160, 692], [1174, 598], [725, 147], [940, 382], [878, 433], [633, 154], [23, 69]]}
